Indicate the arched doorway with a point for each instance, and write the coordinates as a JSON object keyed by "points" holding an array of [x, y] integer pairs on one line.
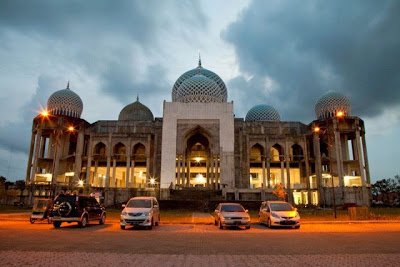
{"points": [[139, 165], [197, 167], [257, 167]]}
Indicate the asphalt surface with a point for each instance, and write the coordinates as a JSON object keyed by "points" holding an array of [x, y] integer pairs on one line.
{"points": [[199, 244]]}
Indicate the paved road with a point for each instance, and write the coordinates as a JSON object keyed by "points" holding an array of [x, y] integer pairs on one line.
{"points": [[199, 245]]}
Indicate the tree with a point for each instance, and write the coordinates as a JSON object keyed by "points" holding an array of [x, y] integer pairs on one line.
{"points": [[20, 184], [382, 189]]}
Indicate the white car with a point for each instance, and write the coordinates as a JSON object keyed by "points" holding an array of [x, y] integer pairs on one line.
{"points": [[278, 214], [231, 215], [140, 211]]}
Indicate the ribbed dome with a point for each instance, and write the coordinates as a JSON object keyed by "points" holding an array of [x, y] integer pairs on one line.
{"points": [[65, 102], [189, 88], [135, 111], [330, 103], [262, 113]]}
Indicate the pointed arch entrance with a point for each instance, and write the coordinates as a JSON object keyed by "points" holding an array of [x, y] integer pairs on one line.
{"points": [[197, 166]]}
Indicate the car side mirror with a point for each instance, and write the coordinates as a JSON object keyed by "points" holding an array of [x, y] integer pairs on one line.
{"points": [[246, 210], [155, 206], [216, 211], [123, 205]]}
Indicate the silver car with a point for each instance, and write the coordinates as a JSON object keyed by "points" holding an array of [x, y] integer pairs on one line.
{"points": [[231, 214], [140, 211], [279, 214]]}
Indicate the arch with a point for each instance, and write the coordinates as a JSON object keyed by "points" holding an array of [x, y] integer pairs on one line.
{"points": [[100, 149], [297, 152], [256, 153], [276, 152], [119, 151], [197, 131], [139, 151], [256, 166]]}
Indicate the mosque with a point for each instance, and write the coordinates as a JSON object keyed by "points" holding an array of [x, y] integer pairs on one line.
{"points": [[200, 146]]}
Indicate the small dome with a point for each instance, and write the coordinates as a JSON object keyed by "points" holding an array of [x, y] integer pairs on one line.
{"points": [[262, 113], [190, 89], [136, 111], [65, 102], [330, 103]]}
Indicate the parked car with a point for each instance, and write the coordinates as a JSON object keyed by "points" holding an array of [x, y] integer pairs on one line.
{"points": [[74, 208], [279, 214], [140, 211], [231, 214]]}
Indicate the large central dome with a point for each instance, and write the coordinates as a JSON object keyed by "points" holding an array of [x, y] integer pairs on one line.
{"points": [[199, 85]]}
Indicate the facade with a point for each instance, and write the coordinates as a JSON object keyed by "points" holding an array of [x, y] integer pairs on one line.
{"points": [[200, 146]]}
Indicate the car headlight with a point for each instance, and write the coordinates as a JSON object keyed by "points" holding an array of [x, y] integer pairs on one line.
{"points": [[123, 213], [275, 215], [146, 213]]}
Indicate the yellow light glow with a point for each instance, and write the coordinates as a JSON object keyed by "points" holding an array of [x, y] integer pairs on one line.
{"points": [[200, 179], [316, 129], [44, 113], [152, 181], [339, 114], [80, 183], [197, 159], [71, 128]]}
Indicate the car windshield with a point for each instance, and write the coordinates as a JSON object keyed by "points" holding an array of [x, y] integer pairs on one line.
{"points": [[232, 208], [281, 207], [139, 203]]}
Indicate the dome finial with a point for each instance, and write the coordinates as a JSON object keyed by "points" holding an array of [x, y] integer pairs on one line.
{"points": [[137, 97], [67, 85], [199, 60]]}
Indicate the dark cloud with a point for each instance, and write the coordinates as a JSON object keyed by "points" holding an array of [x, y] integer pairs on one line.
{"points": [[106, 39], [310, 47]]}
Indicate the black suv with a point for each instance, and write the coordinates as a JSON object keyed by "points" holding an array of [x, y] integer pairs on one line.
{"points": [[75, 208]]}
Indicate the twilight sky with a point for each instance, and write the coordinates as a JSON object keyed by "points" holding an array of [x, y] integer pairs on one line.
{"points": [[282, 53]]}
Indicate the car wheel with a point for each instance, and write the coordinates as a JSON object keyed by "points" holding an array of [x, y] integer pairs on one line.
{"points": [[297, 227], [56, 224], [122, 227], [215, 222], [102, 219], [151, 225], [31, 220], [83, 222], [248, 227], [220, 225], [157, 222]]}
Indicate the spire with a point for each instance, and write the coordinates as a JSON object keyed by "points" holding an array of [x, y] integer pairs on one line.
{"points": [[67, 85], [199, 61], [137, 98]]}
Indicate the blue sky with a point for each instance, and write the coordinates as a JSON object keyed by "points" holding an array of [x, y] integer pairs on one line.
{"points": [[282, 53]]}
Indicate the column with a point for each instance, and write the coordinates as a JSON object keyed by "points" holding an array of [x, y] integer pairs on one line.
{"points": [[178, 170], [147, 170], [29, 165], [109, 151], [89, 163], [269, 171], [128, 173], [208, 171], [133, 177], [361, 167], [287, 159], [364, 145], [263, 171], [318, 167], [114, 173], [36, 155], [307, 165], [187, 172], [78, 154]]}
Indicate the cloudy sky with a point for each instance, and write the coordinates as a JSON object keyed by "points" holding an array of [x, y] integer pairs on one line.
{"points": [[282, 53]]}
